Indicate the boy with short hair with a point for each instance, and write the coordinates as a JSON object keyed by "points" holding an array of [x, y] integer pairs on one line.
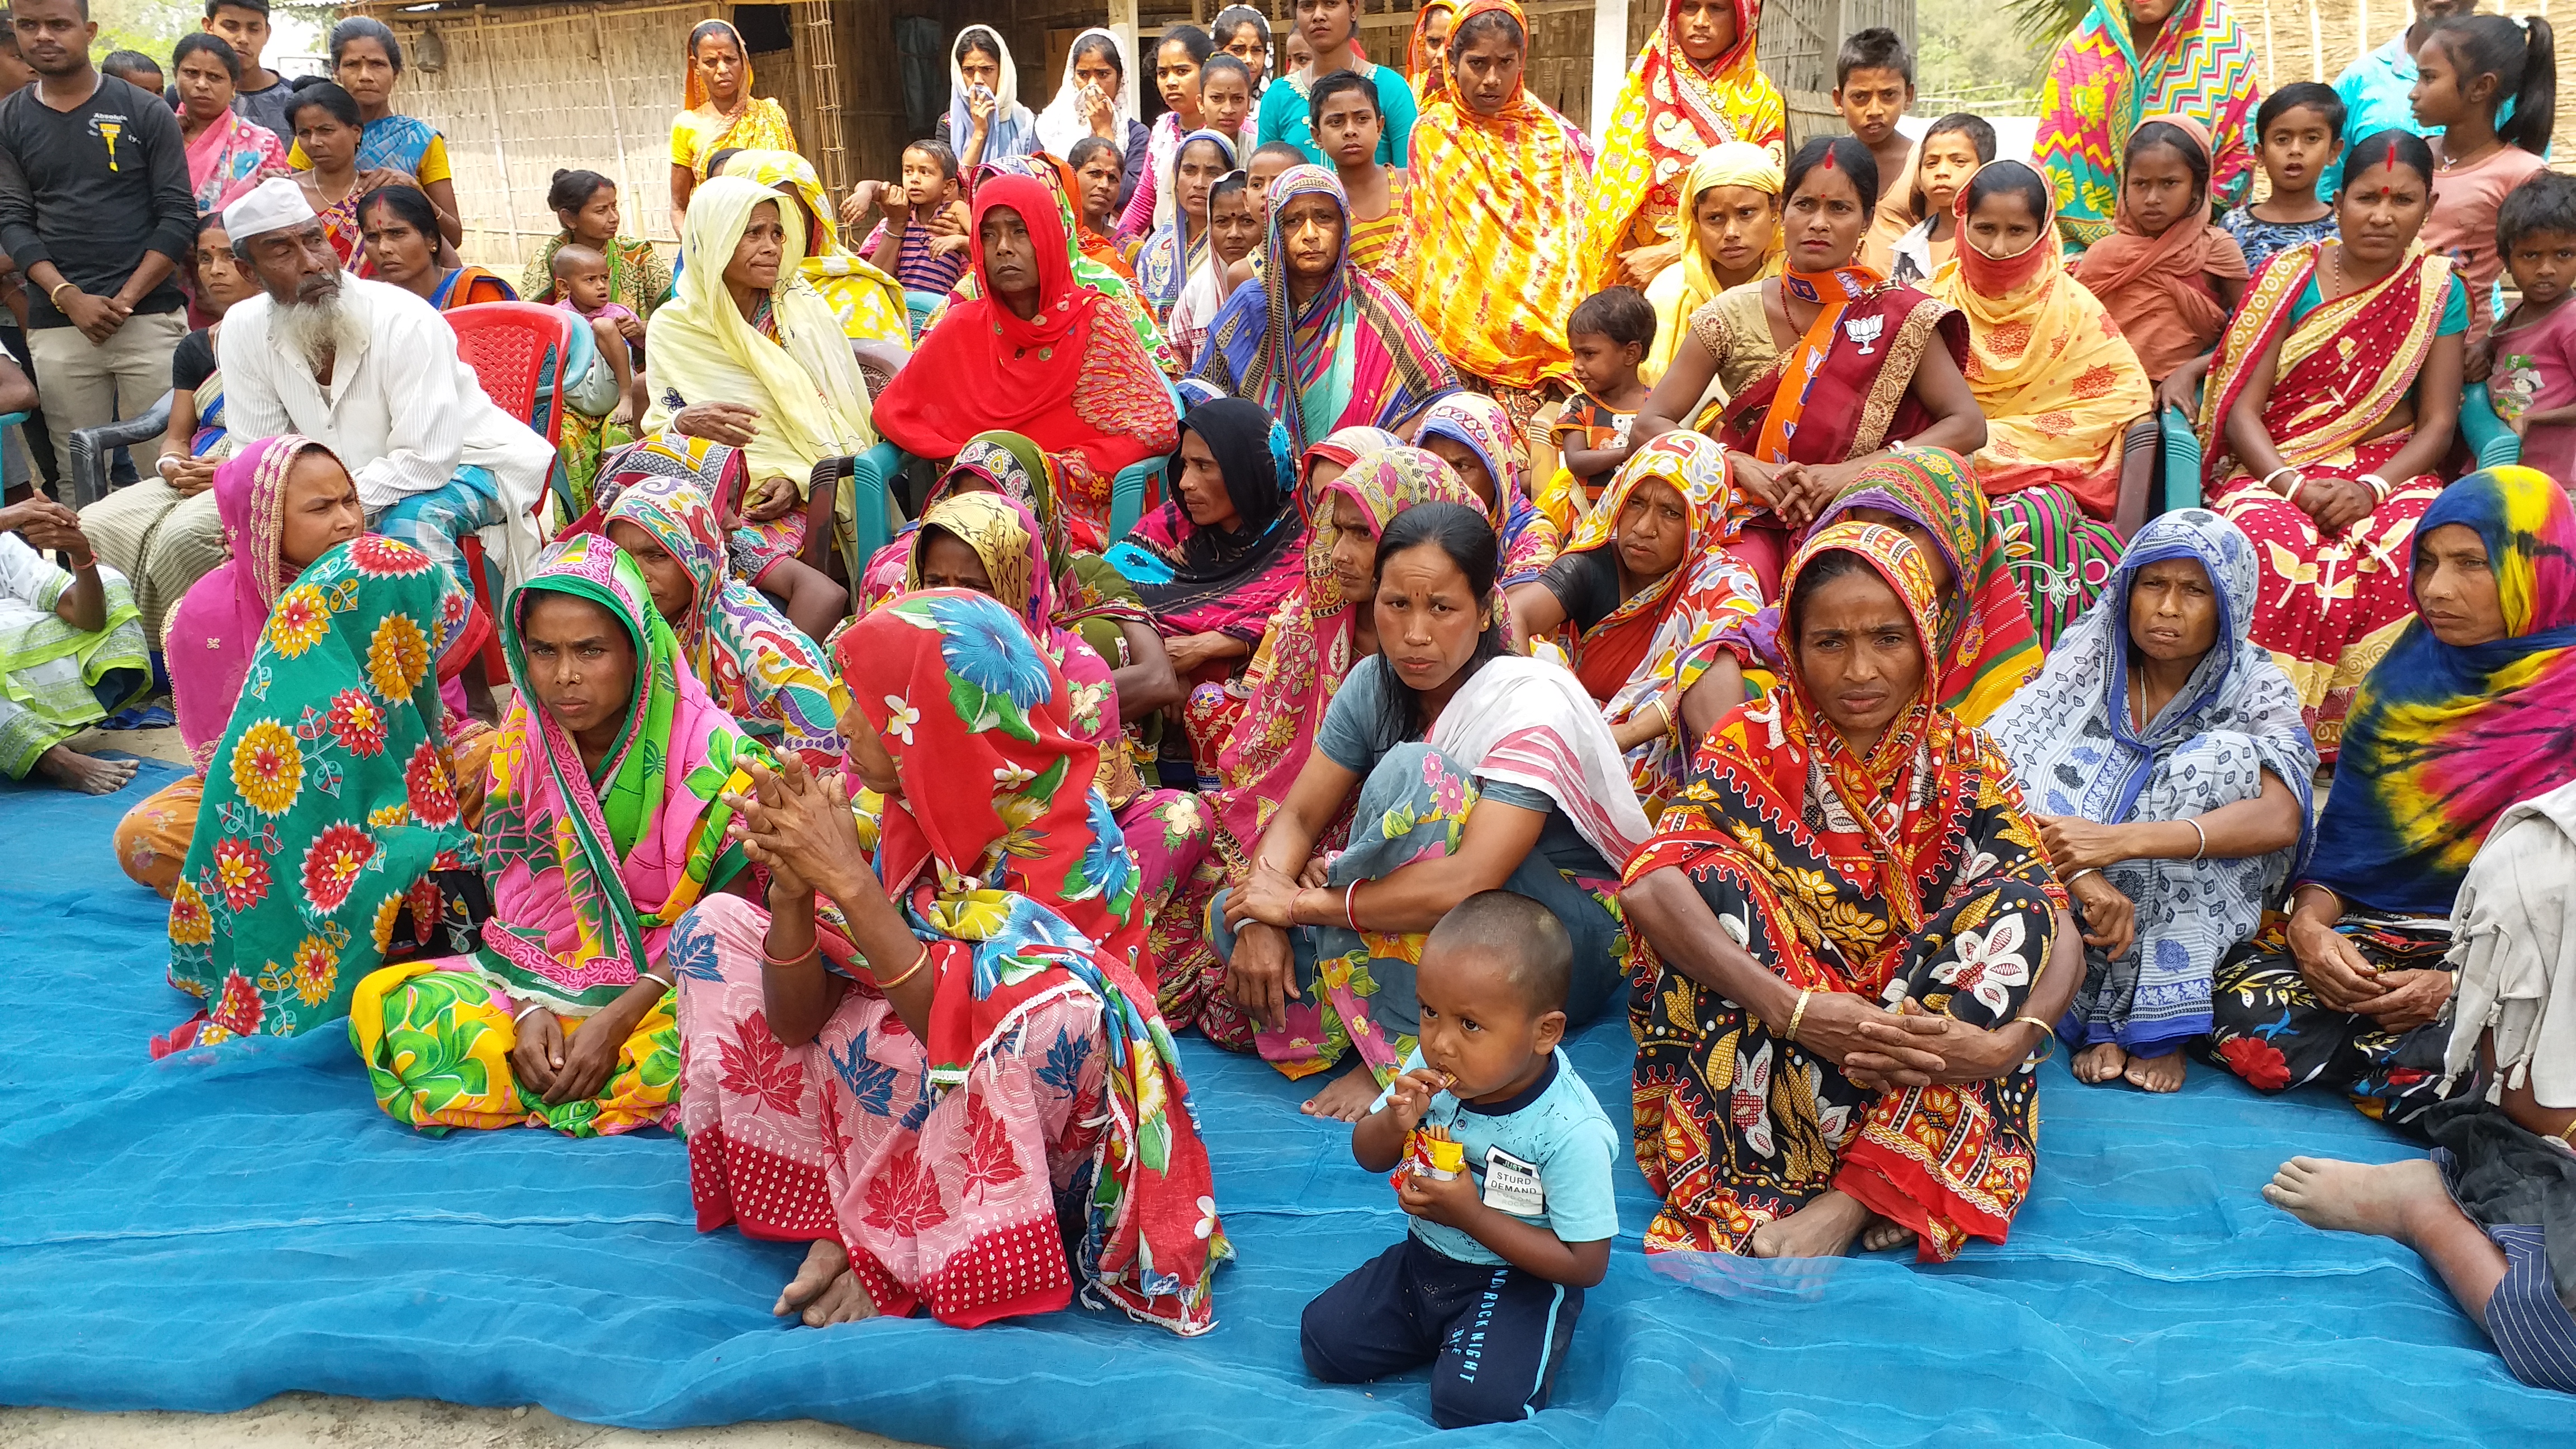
{"points": [[1944, 159], [262, 95], [2299, 129], [1509, 1186], [923, 239], [1268, 160], [1873, 86], [1609, 334], [2532, 382], [1347, 124], [135, 69]]}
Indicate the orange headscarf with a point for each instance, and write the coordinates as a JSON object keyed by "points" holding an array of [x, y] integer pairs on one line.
{"points": [[2151, 284]]}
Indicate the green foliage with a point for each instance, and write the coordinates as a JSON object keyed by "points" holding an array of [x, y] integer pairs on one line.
{"points": [[149, 26], [1988, 56]]}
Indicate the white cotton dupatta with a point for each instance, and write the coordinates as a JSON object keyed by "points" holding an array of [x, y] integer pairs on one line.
{"points": [[1529, 722]]}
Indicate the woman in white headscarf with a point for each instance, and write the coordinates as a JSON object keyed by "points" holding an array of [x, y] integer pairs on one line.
{"points": [[1091, 100], [986, 121]]}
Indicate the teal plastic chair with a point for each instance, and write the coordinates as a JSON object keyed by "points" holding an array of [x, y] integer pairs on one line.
{"points": [[918, 306], [2494, 444], [871, 478], [2181, 485], [1128, 492]]}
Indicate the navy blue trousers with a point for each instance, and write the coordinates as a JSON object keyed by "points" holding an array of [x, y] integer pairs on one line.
{"points": [[1493, 1336]]}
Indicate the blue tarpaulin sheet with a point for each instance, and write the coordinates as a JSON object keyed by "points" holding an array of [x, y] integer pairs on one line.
{"points": [[209, 1230]]}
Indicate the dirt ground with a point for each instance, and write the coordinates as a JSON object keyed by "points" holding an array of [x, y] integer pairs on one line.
{"points": [[319, 1420]]}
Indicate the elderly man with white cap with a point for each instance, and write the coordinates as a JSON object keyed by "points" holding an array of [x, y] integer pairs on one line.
{"points": [[372, 371]]}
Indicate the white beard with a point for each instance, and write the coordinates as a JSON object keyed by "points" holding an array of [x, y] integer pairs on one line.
{"points": [[315, 333]]}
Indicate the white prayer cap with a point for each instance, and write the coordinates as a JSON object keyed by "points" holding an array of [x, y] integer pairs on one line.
{"points": [[272, 205]]}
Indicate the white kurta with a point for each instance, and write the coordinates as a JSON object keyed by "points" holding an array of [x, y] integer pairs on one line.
{"points": [[404, 413]]}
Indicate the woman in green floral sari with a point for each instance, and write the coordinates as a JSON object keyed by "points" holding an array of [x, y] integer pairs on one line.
{"points": [[601, 826]]}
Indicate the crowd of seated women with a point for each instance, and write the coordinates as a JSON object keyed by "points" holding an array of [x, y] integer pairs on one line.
{"points": [[1864, 754]]}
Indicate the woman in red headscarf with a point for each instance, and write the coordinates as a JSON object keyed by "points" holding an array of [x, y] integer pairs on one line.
{"points": [[1032, 353]]}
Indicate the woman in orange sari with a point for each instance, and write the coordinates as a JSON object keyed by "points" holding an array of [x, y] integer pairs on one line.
{"points": [[2330, 405], [1496, 215], [2058, 387], [1695, 86]]}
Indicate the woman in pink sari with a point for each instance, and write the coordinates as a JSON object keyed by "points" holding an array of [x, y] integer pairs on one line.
{"points": [[909, 1062], [227, 155], [604, 822]]}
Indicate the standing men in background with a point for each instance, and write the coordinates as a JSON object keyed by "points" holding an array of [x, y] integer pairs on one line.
{"points": [[95, 210], [262, 95]]}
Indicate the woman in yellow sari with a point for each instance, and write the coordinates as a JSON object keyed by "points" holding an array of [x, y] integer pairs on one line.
{"points": [[2058, 387], [747, 331], [1730, 236], [868, 302], [1496, 213], [1695, 86], [718, 111]]}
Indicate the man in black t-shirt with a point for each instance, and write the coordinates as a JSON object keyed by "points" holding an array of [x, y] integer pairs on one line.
{"points": [[95, 210]]}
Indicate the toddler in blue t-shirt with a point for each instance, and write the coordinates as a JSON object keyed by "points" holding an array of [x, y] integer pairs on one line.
{"points": [[1503, 1159]]}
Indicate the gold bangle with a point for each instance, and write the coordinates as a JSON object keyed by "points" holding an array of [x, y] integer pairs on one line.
{"points": [[1800, 1014], [55, 297], [2047, 1034], [909, 972]]}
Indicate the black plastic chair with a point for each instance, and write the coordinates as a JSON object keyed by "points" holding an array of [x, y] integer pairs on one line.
{"points": [[91, 448]]}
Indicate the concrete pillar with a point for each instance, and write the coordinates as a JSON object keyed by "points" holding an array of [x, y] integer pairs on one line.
{"points": [[1609, 60], [1122, 19]]}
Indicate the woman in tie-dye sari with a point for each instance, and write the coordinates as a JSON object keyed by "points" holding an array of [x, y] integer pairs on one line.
{"points": [[1830, 864], [1696, 86], [1326, 348], [2128, 60], [602, 825], [941, 1064], [1474, 435], [2470, 712]]}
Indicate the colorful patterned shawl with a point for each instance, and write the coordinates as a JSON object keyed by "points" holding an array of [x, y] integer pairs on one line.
{"points": [[2100, 89], [2069, 734], [212, 635], [2441, 739], [1496, 212], [396, 143], [1025, 892], [1530, 538], [1353, 354], [230, 157], [1669, 113], [2056, 380], [2342, 368], [588, 874], [756, 666], [1305, 651], [330, 803], [1844, 390], [1068, 379], [1986, 647], [1197, 581], [1660, 640]]}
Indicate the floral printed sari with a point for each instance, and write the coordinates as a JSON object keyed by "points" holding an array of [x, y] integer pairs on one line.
{"points": [[587, 872], [330, 836], [230, 157], [1045, 1100], [1912, 873], [1670, 112]]}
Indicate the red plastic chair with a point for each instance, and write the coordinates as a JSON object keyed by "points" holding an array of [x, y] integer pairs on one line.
{"points": [[507, 344]]}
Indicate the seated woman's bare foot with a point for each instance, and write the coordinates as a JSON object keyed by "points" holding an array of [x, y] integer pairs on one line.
{"points": [[2156, 1074], [824, 1262], [69, 768], [844, 1302], [2098, 1063], [1822, 1229], [2356, 1197], [1883, 1234], [1347, 1099]]}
